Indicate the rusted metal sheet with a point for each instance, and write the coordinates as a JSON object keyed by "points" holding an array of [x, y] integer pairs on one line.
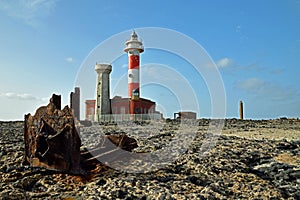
{"points": [[51, 138], [112, 148], [52, 141]]}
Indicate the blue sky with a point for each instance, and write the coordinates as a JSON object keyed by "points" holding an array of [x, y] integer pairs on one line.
{"points": [[255, 44]]}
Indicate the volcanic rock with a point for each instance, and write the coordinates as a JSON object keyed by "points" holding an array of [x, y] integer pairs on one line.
{"points": [[260, 163]]}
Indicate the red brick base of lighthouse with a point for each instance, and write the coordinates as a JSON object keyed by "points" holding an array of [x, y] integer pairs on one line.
{"points": [[128, 106]]}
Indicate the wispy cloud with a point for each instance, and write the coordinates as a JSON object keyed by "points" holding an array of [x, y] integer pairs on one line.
{"points": [[225, 62], [277, 71], [69, 59], [24, 96], [267, 90], [239, 29], [231, 65], [251, 84], [29, 11]]}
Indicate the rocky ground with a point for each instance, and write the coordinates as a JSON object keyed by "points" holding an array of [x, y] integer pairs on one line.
{"points": [[249, 160]]}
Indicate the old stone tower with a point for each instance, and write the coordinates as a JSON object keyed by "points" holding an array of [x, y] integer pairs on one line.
{"points": [[103, 97]]}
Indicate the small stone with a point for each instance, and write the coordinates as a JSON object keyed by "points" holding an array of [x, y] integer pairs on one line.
{"points": [[101, 182], [121, 194]]}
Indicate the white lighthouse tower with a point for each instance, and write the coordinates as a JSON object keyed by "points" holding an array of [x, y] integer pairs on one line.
{"points": [[103, 97], [133, 48]]}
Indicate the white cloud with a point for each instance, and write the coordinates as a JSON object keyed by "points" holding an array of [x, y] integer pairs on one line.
{"points": [[69, 59], [225, 62], [11, 95], [267, 90], [29, 11], [230, 66]]}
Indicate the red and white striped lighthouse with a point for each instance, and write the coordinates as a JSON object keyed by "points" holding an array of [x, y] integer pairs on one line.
{"points": [[133, 48]]}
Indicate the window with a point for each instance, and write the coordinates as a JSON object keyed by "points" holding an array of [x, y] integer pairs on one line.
{"points": [[135, 92], [122, 109]]}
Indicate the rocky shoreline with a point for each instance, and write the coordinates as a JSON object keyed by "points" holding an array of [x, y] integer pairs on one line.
{"points": [[251, 159]]}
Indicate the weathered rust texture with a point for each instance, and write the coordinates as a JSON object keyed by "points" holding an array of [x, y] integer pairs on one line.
{"points": [[51, 138], [75, 103], [123, 141], [241, 110], [111, 148]]}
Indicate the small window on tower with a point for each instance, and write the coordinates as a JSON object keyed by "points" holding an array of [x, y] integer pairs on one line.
{"points": [[135, 92]]}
